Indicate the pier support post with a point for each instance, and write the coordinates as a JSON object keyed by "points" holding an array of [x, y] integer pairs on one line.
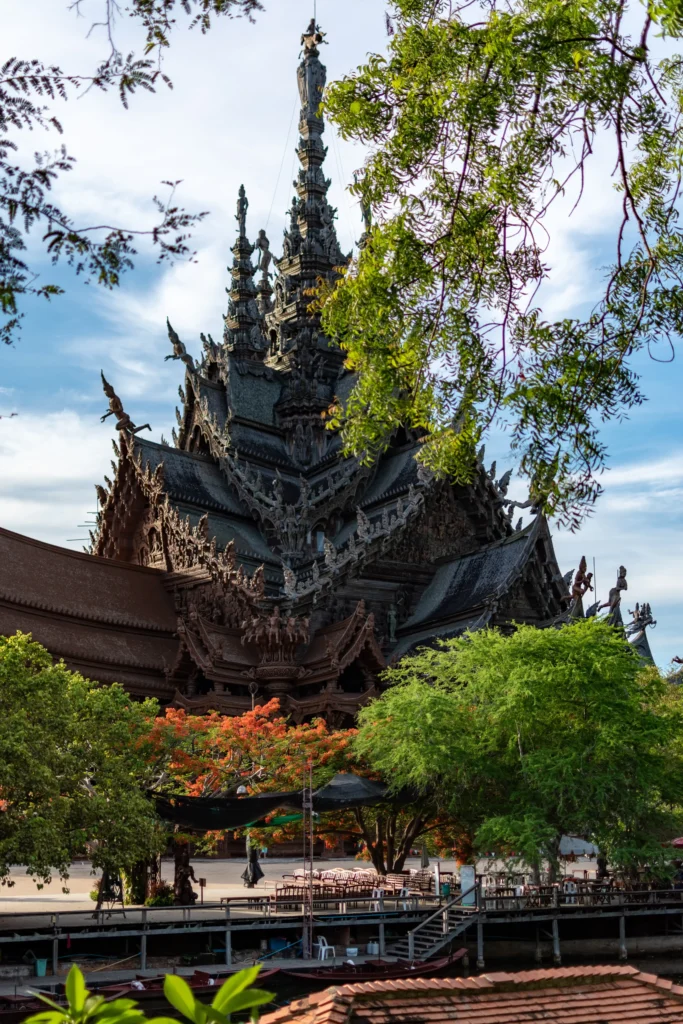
{"points": [[55, 956], [538, 952], [480, 944], [382, 945], [623, 951], [228, 937], [557, 957]]}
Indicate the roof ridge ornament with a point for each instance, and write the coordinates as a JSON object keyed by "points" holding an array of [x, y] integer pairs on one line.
{"points": [[179, 350]]}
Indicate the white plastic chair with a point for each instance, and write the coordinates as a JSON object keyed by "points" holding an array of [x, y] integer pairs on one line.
{"points": [[325, 950], [570, 890], [377, 900], [404, 898]]}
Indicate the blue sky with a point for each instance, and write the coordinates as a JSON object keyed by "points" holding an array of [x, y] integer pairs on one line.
{"points": [[228, 121]]}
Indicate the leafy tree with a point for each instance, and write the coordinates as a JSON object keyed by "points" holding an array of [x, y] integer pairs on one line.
{"points": [[480, 118], [29, 90], [206, 755], [537, 734], [70, 770], [234, 995]]}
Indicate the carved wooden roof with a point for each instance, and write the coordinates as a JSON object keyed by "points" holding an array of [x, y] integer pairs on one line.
{"points": [[110, 620]]}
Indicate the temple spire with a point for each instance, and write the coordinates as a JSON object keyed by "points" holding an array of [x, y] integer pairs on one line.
{"points": [[310, 254], [243, 333]]}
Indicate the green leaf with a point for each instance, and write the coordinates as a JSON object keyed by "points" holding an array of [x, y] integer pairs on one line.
{"points": [[233, 986], [116, 1007], [179, 995], [47, 1017], [253, 997], [76, 992]]}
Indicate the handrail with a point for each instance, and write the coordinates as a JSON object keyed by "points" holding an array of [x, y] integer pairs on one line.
{"points": [[440, 911]]}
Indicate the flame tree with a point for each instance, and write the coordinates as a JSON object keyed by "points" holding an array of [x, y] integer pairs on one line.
{"points": [[209, 755]]}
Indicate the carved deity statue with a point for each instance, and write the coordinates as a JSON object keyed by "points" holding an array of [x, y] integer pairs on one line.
{"points": [[312, 37], [241, 215], [265, 256], [614, 599], [179, 350], [311, 74], [392, 622], [582, 580], [123, 420]]}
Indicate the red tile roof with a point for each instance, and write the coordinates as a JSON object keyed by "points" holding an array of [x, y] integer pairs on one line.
{"points": [[573, 995]]}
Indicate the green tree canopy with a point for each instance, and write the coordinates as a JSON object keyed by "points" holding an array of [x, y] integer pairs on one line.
{"points": [[537, 734], [70, 767], [479, 119]]}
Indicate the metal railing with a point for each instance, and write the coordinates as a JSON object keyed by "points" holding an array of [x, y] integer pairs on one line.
{"points": [[557, 899], [444, 913]]}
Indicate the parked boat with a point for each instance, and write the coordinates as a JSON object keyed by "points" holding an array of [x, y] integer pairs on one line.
{"points": [[376, 970]]}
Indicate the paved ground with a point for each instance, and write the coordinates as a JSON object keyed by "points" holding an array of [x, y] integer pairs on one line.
{"points": [[222, 876]]}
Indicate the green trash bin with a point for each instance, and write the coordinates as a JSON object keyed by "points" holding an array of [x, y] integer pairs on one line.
{"points": [[446, 889], [41, 968]]}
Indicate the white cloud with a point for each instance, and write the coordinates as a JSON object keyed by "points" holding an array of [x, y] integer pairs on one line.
{"points": [[48, 468], [663, 470]]}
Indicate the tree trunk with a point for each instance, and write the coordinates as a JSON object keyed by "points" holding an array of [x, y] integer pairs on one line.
{"points": [[553, 853]]}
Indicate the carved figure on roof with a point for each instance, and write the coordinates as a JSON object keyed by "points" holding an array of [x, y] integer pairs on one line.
{"points": [[290, 582], [311, 76], [504, 482], [241, 215], [278, 491], [179, 350], [123, 420], [614, 599], [582, 580], [641, 617], [265, 256], [312, 37], [392, 623], [210, 347]]}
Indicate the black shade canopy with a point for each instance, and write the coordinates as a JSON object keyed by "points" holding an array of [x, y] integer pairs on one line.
{"points": [[207, 813]]}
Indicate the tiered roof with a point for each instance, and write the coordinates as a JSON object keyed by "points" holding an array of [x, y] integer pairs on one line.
{"points": [[255, 472]]}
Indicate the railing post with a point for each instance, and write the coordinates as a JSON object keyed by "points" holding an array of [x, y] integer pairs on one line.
{"points": [[228, 937], [411, 945], [382, 945], [444, 922], [55, 956], [623, 951]]}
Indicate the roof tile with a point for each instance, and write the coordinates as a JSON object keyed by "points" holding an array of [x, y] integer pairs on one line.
{"points": [[609, 994]]}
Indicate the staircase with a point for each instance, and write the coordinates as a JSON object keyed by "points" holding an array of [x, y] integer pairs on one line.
{"points": [[436, 931]]}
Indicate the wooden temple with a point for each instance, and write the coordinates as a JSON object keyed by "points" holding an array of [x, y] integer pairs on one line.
{"points": [[250, 558]]}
